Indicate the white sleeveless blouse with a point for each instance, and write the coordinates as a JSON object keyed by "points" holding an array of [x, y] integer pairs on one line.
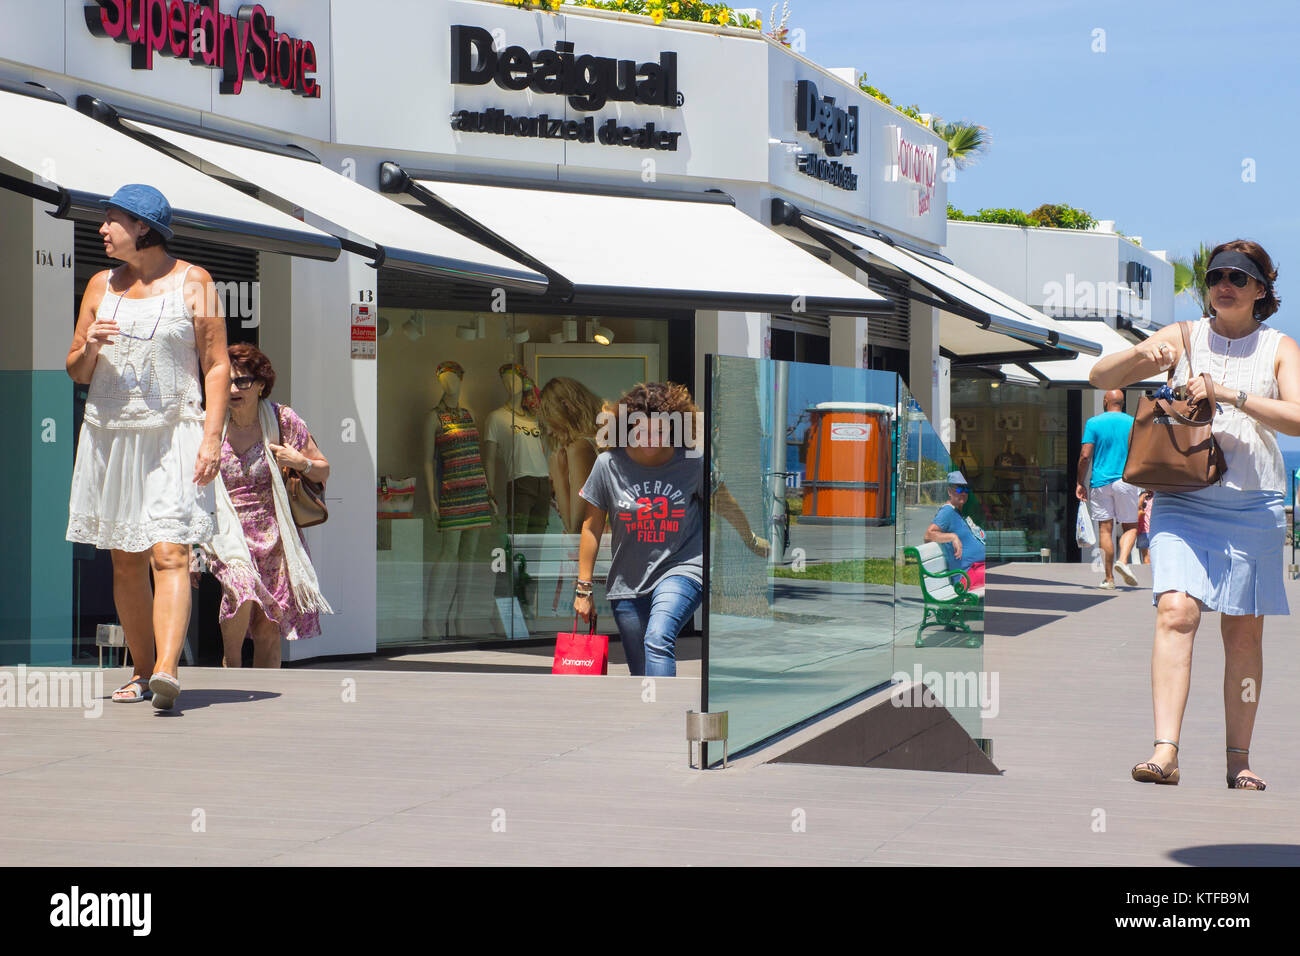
{"points": [[1247, 364], [149, 375]]}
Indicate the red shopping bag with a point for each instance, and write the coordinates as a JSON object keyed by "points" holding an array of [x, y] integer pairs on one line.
{"points": [[581, 653]]}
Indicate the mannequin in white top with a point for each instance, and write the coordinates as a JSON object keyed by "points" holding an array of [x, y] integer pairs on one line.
{"points": [[515, 458], [448, 578]]}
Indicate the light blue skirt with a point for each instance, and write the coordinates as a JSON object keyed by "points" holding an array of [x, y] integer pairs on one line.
{"points": [[1222, 547]]}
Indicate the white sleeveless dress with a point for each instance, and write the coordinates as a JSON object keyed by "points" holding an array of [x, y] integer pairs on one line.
{"points": [[133, 481], [1223, 544]]}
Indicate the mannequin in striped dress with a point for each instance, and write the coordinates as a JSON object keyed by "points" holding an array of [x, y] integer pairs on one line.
{"points": [[458, 501]]}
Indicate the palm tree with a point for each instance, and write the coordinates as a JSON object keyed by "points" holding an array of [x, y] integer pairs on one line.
{"points": [[1189, 277], [966, 141]]}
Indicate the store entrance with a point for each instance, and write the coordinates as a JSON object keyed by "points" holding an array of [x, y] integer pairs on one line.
{"points": [[487, 427]]}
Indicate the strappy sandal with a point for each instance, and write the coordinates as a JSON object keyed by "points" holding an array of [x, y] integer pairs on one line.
{"points": [[1152, 772], [1241, 781], [138, 689], [165, 690]]}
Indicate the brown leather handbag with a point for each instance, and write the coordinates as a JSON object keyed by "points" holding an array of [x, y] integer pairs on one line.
{"points": [[1171, 446], [306, 497]]}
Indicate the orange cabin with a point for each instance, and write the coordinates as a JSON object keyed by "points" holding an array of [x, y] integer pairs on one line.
{"points": [[848, 453]]}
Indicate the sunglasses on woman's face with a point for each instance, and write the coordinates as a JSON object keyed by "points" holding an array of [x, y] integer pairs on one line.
{"points": [[1235, 276], [243, 382]]}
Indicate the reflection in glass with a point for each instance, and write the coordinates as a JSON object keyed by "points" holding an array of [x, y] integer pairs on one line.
{"points": [[807, 451], [939, 627]]}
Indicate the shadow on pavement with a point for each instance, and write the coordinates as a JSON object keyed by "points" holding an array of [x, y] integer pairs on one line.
{"points": [[994, 578], [1239, 854], [200, 698], [1038, 601]]}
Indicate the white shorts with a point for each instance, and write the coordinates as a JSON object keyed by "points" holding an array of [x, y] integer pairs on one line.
{"points": [[1117, 501]]}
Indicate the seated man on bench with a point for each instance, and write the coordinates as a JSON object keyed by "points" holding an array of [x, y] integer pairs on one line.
{"points": [[962, 540]]}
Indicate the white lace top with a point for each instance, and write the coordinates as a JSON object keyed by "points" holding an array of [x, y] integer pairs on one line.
{"points": [[149, 374], [1247, 364]]}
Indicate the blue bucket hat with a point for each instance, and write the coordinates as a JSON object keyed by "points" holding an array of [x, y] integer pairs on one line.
{"points": [[146, 204]]}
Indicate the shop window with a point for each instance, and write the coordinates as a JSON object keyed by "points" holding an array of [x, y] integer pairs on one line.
{"points": [[488, 428], [1010, 441]]}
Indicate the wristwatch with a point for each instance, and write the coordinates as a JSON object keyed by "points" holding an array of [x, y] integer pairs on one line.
{"points": [[1241, 400]]}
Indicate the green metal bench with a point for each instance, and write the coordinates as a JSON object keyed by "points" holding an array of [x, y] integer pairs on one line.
{"points": [[949, 601]]}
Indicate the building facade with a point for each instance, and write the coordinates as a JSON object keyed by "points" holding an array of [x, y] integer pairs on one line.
{"points": [[388, 191]]}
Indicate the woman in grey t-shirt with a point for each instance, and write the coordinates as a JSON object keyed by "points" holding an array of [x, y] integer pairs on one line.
{"points": [[652, 487]]}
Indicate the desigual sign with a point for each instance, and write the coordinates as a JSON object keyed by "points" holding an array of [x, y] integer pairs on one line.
{"points": [[588, 82], [243, 46], [835, 128]]}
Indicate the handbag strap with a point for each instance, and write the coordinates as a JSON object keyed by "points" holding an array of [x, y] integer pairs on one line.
{"points": [[591, 629], [1187, 350]]}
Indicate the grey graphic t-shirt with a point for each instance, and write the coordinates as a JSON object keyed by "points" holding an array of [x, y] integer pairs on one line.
{"points": [[655, 514]]}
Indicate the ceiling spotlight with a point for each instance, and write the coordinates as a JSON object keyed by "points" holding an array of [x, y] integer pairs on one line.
{"points": [[466, 332], [557, 338], [383, 329], [519, 337], [602, 335], [414, 327], [571, 329]]}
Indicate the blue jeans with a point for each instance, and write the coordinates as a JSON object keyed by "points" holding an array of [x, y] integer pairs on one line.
{"points": [[649, 624]]}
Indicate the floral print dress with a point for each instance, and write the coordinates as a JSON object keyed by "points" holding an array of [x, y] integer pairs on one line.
{"points": [[248, 480]]}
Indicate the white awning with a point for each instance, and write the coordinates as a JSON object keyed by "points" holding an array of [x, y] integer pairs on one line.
{"points": [[79, 163], [1072, 334], [403, 237], [1018, 376], [614, 248], [1009, 329], [1075, 372]]}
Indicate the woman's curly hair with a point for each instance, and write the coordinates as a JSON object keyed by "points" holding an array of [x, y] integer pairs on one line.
{"points": [[254, 361], [663, 398]]}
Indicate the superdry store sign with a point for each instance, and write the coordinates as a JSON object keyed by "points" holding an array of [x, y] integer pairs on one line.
{"points": [[589, 82], [835, 128], [243, 46]]}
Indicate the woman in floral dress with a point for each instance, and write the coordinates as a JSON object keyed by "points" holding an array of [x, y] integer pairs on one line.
{"points": [[260, 596]]}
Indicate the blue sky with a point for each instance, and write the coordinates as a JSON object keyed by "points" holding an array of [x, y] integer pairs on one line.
{"points": [[1152, 132]]}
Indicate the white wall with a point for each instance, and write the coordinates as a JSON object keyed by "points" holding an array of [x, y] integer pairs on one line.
{"points": [[336, 395], [1083, 271]]}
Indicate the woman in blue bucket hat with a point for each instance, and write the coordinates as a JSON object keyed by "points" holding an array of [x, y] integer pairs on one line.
{"points": [[148, 450]]}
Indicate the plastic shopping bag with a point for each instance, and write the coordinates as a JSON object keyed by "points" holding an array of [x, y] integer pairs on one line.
{"points": [[1084, 531]]}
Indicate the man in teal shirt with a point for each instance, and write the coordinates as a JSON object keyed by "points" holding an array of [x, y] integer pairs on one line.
{"points": [[1101, 483]]}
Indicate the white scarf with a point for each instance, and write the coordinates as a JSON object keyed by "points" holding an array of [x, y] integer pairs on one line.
{"points": [[230, 546]]}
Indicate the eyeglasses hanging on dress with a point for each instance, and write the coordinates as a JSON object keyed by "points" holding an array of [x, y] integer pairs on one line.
{"points": [[127, 375]]}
